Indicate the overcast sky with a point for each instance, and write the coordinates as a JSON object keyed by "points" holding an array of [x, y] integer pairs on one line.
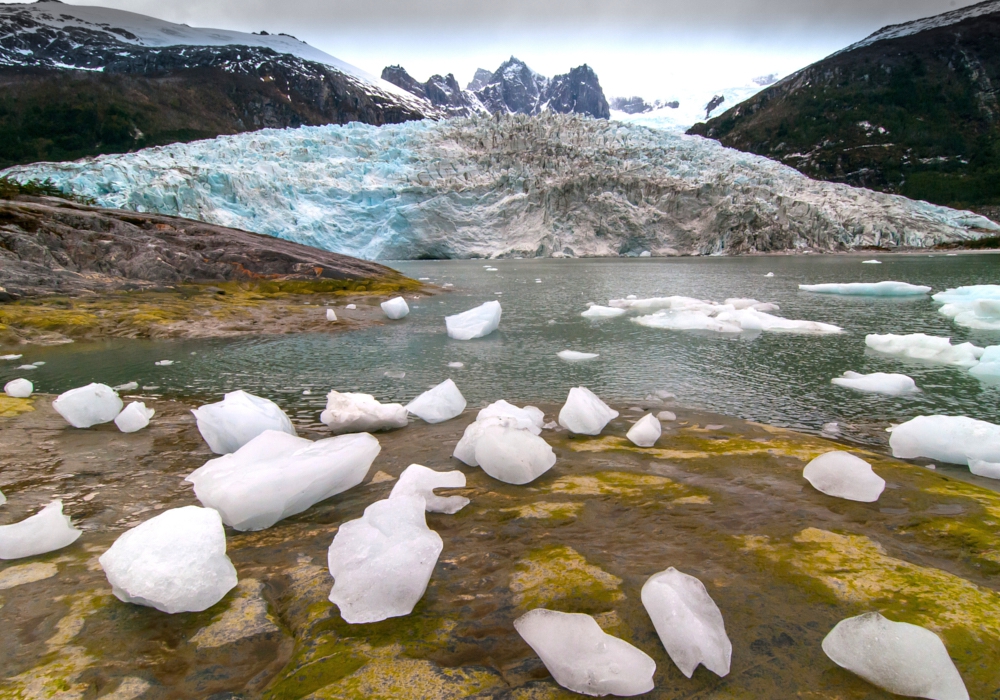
{"points": [[653, 48]]}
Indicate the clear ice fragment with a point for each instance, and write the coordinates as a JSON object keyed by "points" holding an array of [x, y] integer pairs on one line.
{"points": [[418, 480], [88, 405], [843, 475], [584, 413], [238, 419], [45, 531], [439, 404]]}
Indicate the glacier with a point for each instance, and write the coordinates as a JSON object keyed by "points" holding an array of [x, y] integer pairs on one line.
{"points": [[551, 185]]}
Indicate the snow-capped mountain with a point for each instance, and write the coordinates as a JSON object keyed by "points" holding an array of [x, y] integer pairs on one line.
{"points": [[443, 92], [895, 31]]}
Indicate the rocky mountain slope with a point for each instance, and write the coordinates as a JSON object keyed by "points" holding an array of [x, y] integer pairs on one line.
{"points": [[78, 80], [443, 92], [911, 109], [552, 185]]}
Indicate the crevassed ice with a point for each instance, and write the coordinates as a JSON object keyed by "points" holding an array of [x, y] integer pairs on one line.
{"points": [[953, 439], [878, 383], [875, 289], [928, 348]]}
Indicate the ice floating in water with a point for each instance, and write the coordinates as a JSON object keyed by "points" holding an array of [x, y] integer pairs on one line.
{"points": [[277, 475], [688, 622], [954, 439], [236, 420], [584, 413], [474, 323], [11, 358], [769, 274], [439, 404], [831, 428], [989, 364], [456, 365], [731, 321], [164, 363], [502, 414], [878, 383], [976, 306], [871, 262], [896, 656], [513, 455], [928, 348], [990, 470], [18, 388], [574, 356], [394, 374], [581, 657], [352, 307], [175, 562], [88, 405], [135, 417], [128, 386], [868, 289], [331, 315], [740, 304], [845, 476], [45, 531], [674, 303], [418, 480], [382, 562], [361, 413], [395, 308], [27, 367], [645, 432], [596, 311]]}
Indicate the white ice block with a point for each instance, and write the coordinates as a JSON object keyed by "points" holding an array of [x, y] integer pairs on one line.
{"points": [[584, 413], [843, 475], [237, 419], [45, 531], [975, 306], [512, 455], [953, 439], [474, 323], [395, 308], [989, 470], [989, 364], [88, 405], [927, 348], [18, 388], [878, 383], [331, 315], [645, 432], [574, 356], [868, 289], [361, 413], [603, 312], [135, 417], [418, 480], [439, 404], [527, 418]]}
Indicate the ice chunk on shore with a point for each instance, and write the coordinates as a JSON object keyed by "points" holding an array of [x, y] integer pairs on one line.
{"points": [[878, 383], [896, 656], [989, 364], [331, 315], [474, 323], [513, 455], [975, 306], [351, 307], [18, 388], [174, 562], [928, 348], [236, 420], [666, 416], [88, 405], [581, 657], [574, 356], [688, 621], [45, 531], [584, 413], [527, 418], [277, 475], [135, 417], [843, 475], [418, 480], [361, 413], [989, 470], [502, 414], [439, 404], [382, 562], [602, 312], [395, 308], [953, 439], [3, 499], [868, 289], [645, 432]]}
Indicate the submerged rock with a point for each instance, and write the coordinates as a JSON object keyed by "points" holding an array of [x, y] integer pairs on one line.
{"points": [[135, 417], [395, 308], [418, 480], [645, 432], [474, 323], [843, 475], [89, 405], [954, 439], [361, 413], [45, 531], [236, 420], [439, 404], [18, 388], [584, 413], [513, 455]]}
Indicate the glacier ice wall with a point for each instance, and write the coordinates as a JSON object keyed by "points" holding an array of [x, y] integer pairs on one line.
{"points": [[552, 185]]}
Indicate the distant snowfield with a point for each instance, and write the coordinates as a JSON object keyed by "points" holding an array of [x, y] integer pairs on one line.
{"points": [[555, 185], [691, 109]]}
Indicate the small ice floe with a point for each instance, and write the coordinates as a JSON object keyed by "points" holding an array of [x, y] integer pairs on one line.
{"points": [[666, 416], [418, 480], [597, 311], [128, 386], [688, 314], [645, 432], [163, 363], [236, 420], [491, 269], [474, 323], [331, 315], [739, 304], [574, 356], [989, 364], [538, 281], [351, 307], [382, 562], [584, 413], [868, 289], [277, 475], [45, 531], [927, 348], [769, 274], [583, 658], [631, 297], [832, 428], [395, 308], [38, 364], [878, 383], [502, 414], [871, 262], [439, 404], [135, 417], [88, 405], [26, 367], [18, 388], [976, 306], [952, 439], [361, 413], [843, 475], [688, 622], [456, 365], [896, 656], [989, 470], [10, 358], [394, 374], [307, 392], [447, 284], [175, 562], [423, 279]]}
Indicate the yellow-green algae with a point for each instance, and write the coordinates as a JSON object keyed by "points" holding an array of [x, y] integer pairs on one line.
{"points": [[560, 578], [10, 407], [545, 510], [621, 484], [975, 534]]}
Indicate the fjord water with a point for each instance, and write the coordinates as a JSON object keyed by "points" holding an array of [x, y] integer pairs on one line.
{"points": [[780, 379]]}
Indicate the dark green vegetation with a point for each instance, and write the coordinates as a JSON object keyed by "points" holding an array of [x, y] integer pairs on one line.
{"points": [[917, 115]]}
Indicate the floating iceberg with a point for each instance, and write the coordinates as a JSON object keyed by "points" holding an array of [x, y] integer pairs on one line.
{"points": [[989, 470], [878, 383], [602, 312], [674, 303], [645, 432], [474, 323], [753, 320], [740, 304], [128, 386], [686, 321], [395, 308], [45, 531], [843, 475], [898, 657], [277, 475], [574, 356], [868, 289], [989, 364], [11, 358], [18, 388], [513, 455], [88, 405], [237, 419], [418, 480], [688, 622], [735, 316], [439, 404], [871, 262], [581, 657], [361, 413], [928, 348], [382, 562], [953, 439], [135, 417], [584, 413], [331, 315], [164, 363], [175, 562], [975, 306]]}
